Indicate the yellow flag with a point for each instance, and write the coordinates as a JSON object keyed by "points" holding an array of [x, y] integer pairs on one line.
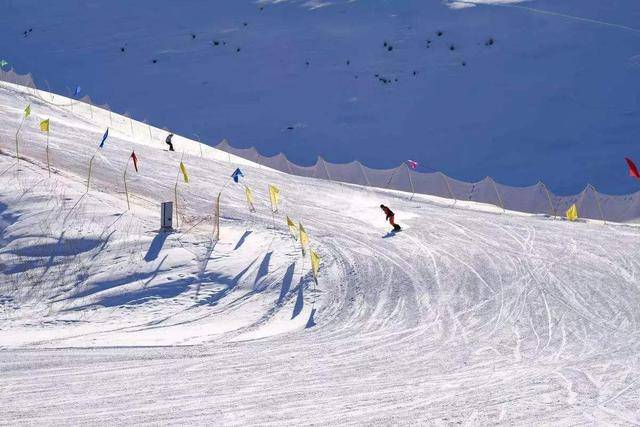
{"points": [[44, 125], [184, 172], [249, 194], [27, 111], [292, 228], [572, 213], [304, 239], [274, 195], [315, 263]]}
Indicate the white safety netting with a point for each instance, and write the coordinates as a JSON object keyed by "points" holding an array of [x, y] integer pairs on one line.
{"points": [[535, 199]]}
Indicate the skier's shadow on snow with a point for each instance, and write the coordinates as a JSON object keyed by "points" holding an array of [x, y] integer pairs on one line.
{"points": [[389, 234], [156, 246]]}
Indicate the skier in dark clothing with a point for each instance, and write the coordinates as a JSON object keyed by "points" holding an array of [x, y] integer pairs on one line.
{"points": [[168, 141], [390, 217]]}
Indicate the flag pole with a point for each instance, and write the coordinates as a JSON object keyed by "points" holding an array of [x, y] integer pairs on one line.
{"points": [[90, 167], [17, 132], [247, 192], [47, 150], [175, 190], [216, 224], [273, 218], [126, 190]]}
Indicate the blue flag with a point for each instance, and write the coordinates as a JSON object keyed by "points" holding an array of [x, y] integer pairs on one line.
{"points": [[236, 175], [77, 91], [104, 138]]}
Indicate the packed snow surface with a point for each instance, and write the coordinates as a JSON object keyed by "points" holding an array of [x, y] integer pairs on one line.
{"points": [[469, 315]]}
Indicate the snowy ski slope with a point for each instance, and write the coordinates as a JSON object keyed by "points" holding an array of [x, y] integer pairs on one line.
{"points": [[467, 316]]}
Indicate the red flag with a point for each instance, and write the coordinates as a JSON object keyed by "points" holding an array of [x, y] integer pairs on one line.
{"points": [[412, 164], [633, 170], [135, 160]]}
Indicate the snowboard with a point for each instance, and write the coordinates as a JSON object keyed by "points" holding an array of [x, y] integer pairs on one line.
{"points": [[392, 233]]}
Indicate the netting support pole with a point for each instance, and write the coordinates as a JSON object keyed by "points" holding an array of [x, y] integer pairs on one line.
{"points": [[578, 201], [552, 210], [49, 89], [199, 143], [131, 123], [595, 193], [413, 191], [111, 118], [495, 187], [91, 111], [326, 169], [364, 173], [444, 178], [391, 178], [150, 136]]}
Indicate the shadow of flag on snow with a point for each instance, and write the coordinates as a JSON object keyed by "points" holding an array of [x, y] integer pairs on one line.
{"points": [[297, 309]]}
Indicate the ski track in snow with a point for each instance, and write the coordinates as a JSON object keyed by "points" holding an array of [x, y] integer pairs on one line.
{"points": [[464, 317]]}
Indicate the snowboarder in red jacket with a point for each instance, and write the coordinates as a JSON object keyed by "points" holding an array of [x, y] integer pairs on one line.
{"points": [[390, 217]]}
